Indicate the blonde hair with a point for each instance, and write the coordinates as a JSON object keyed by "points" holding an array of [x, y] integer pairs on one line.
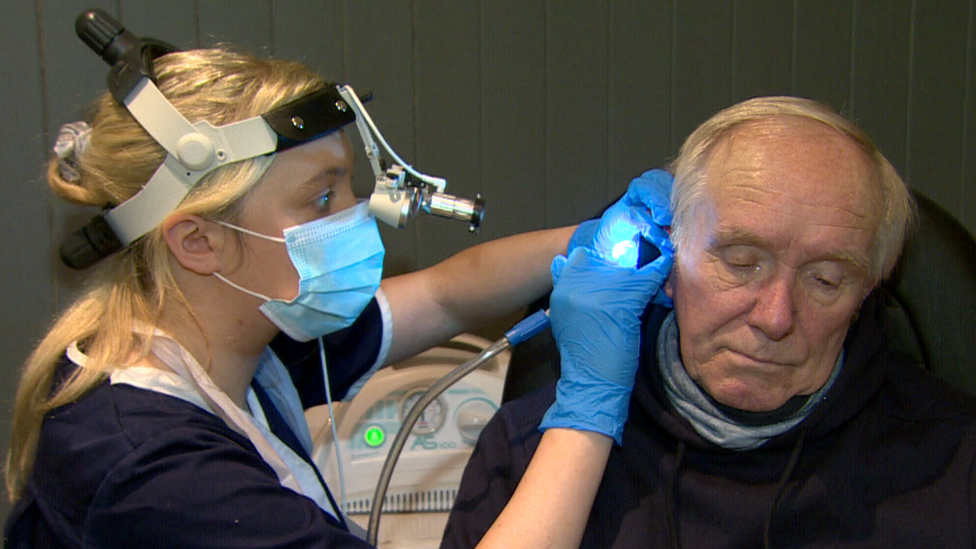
{"points": [[131, 288], [689, 171]]}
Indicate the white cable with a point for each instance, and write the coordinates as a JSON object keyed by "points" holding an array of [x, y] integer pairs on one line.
{"points": [[335, 435], [350, 95]]}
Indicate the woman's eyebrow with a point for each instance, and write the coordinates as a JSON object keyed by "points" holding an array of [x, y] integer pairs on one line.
{"points": [[322, 175]]}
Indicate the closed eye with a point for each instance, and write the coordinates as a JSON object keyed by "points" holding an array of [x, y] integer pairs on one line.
{"points": [[825, 282], [743, 259]]}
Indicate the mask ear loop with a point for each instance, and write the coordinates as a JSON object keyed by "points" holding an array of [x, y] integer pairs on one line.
{"points": [[335, 434]]}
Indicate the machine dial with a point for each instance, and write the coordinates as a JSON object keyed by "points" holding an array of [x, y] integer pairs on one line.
{"points": [[472, 416], [430, 419]]}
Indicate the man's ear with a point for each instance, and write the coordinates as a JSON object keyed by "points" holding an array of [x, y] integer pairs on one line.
{"points": [[195, 242], [669, 283]]}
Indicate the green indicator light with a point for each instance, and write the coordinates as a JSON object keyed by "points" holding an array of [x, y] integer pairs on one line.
{"points": [[374, 436]]}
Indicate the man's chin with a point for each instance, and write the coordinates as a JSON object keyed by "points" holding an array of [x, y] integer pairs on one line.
{"points": [[750, 398]]}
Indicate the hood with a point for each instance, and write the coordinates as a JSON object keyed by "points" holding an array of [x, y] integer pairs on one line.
{"points": [[853, 388]]}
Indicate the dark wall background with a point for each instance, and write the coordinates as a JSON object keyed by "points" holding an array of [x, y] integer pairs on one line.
{"points": [[547, 108]]}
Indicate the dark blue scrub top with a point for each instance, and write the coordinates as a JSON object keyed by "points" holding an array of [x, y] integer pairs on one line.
{"points": [[127, 467]]}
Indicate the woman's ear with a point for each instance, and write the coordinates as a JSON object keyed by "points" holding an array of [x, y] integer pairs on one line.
{"points": [[195, 242]]}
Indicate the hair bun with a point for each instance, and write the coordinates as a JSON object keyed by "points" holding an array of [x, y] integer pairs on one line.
{"points": [[71, 144]]}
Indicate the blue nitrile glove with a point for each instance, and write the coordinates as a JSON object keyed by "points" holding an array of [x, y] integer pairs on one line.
{"points": [[643, 210], [595, 311]]}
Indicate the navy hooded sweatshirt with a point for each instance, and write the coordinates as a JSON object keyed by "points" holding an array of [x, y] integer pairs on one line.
{"points": [[884, 460]]}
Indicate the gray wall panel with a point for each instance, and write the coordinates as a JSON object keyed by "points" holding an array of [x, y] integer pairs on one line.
{"points": [[935, 132], [247, 25], [379, 57], [173, 21], [639, 90], [966, 203], [448, 116], [73, 77], [25, 227], [822, 51], [515, 180], [576, 114], [313, 33], [762, 45], [702, 70], [882, 68]]}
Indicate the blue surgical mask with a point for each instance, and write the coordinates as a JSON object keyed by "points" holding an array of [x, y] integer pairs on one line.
{"points": [[339, 260]]}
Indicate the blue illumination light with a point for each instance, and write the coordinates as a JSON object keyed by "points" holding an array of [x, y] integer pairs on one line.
{"points": [[624, 253]]}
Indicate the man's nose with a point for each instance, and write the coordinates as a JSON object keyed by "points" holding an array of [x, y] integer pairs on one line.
{"points": [[774, 311]]}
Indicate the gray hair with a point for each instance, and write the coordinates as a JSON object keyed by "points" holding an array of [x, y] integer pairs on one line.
{"points": [[689, 171]]}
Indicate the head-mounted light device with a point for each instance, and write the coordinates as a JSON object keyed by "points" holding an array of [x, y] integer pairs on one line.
{"points": [[196, 149]]}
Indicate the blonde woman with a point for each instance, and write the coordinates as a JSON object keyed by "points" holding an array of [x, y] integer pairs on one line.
{"points": [[155, 414]]}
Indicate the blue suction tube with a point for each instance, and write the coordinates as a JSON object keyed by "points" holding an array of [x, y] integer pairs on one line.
{"points": [[524, 330]]}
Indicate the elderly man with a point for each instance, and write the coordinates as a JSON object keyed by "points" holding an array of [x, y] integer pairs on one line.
{"points": [[769, 409]]}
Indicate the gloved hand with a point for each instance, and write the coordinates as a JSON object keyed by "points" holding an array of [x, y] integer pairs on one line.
{"points": [[595, 311], [644, 210]]}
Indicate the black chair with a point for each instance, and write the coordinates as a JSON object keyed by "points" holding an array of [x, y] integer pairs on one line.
{"points": [[935, 285], [932, 297]]}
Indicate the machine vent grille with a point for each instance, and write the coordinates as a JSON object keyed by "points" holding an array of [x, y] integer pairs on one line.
{"points": [[407, 502]]}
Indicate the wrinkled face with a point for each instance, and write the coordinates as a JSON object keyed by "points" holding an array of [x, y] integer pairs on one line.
{"points": [[776, 263]]}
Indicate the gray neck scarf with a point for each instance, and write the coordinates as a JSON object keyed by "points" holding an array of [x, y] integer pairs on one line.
{"points": [[707, 419]]}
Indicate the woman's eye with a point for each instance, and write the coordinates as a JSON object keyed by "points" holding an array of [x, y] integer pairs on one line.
{"points": [[322, 200]]}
